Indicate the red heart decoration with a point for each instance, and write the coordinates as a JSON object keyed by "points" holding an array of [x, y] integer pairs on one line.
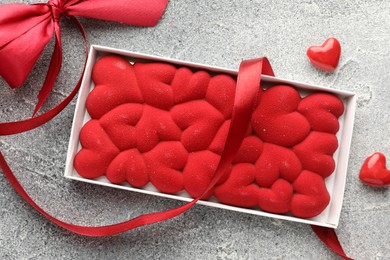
{"points": [[114, 85], [199, 121], [98, 151], [155, 86], [276, 162], [322, 110], [154, 126], [277, 199], [239, 189], [311, 196], [164, 164], [120, 125], [374, 171], [159, 124], [194, 84], [326, 56], [316, 153], [276, 119], [199, 171], [128, 166]]}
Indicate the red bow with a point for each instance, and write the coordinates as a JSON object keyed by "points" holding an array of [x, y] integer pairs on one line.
{"points": [[25, 30]]}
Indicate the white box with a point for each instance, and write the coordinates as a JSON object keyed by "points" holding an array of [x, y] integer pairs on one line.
{"points": [[335, 183]]}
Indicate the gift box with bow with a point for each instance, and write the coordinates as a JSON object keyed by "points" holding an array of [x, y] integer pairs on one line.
{"points": [[281, 151], [159, 126]]}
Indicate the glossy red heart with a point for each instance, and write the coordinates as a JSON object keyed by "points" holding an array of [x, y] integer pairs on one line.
{"points": [[326, 56], [374, 171]]}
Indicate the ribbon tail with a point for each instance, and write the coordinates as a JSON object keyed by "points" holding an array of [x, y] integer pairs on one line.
{"points": [[330, 239], [54, 70], [90, 230]]}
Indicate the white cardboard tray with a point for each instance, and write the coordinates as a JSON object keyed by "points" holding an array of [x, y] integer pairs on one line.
{"points": [[335, 183]]}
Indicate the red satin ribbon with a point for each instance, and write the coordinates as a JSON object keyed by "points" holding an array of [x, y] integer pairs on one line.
{"points": [[247, 90], [330, 239], [10, 128], [25, 30]]}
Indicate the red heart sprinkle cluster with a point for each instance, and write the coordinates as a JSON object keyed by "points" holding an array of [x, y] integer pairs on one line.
{"points": [[154, 122]]}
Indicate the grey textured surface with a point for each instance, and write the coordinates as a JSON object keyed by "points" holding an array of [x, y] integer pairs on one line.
{"points": [[216, 33]]}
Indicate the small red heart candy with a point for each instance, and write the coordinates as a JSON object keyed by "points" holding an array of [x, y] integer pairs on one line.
{"points": [[374, 171], [326, 56]]}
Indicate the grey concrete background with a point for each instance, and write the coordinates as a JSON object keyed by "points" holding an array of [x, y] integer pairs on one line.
{"points": [[217, 33]]}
